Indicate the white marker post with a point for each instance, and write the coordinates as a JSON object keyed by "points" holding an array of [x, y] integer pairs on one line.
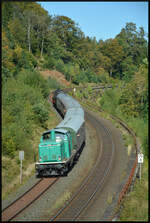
{"points": [[140, 160], [21, 157], [74, 90]]}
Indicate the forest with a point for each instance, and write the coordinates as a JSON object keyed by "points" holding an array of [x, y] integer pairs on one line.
{"points": [[32, 40]]}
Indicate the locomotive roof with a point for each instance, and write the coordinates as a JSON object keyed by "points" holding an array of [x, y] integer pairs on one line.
{"points": [[55, 129]]}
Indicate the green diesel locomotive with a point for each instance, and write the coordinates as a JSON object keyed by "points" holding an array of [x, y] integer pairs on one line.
{"points": [[60, 147]]}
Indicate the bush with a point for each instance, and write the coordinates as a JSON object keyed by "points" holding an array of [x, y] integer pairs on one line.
{"points": [[35, 80], [52, 83], [8, 144], [23, 108], [41, 113], [23, 59], [49, 62], [60, 66], [141, 128], [109, 100]]}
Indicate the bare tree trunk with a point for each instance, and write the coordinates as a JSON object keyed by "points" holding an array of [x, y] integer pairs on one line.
{"points": [[42, 47], [110, 74], [29, 30]]}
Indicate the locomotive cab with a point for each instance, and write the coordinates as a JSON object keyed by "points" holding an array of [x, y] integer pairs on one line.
{"points": [[53, 147], [54, 150]]}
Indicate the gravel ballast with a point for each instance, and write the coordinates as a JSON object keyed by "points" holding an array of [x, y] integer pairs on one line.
{"points": [[54, 197]]}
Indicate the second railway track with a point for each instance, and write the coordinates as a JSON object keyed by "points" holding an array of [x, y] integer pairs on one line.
{"points": [[27, 198], [96, 178], [83, 197]]}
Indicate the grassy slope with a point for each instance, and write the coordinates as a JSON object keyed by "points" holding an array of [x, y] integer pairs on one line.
{"points": [[11, 167], [135, 204]]}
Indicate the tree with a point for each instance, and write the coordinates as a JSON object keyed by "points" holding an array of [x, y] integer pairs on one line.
{"points": [[114, 51], [134, 98], [133, 42], [41, 28], [67, 31], [18, 31], [30, 19], [7, 13]]}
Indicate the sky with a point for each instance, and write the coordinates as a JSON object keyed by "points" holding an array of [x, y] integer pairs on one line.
{"points": [[102, 20]]}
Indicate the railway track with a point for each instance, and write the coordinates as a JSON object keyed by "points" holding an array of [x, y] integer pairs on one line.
{"points": [[27, 198], [135, 167], [74, 208], [85, 193], [96, 179], [81, 200]]}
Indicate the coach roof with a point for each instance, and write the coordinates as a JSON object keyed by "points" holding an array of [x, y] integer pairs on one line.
{"points": [[74, 118], [68, 101]]}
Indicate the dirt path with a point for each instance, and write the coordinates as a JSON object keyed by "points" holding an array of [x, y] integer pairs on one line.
{"points": [[55, 74]]}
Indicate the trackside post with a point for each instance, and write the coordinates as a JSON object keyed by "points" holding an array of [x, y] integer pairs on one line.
{"points": [[21, 157], [140, 161]]}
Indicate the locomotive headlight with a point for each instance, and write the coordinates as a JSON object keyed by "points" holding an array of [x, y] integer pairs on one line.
{"points": [[59, 158], [58, 139]]}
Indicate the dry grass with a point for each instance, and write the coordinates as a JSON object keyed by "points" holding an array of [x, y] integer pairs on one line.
{"points": [[129, 149], [136, 203], [60, 202], [109, 199], [11, 167], [66, 196], [55, 74], [12, 185]]}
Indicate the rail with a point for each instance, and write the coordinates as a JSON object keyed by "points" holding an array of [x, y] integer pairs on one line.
{"points": [[79, 200], [31, 195], [135, 166]]}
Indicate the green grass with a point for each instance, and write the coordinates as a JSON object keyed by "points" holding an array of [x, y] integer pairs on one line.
{"points": [[135, 204], [11, 167]]}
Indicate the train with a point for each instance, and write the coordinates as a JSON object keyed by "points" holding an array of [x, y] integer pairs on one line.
{"points": [[60, 147]]}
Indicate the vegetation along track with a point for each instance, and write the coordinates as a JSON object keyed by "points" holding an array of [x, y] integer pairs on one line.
{"points": [[96, 178], [85, 193], [135, 166], [27, 198]]}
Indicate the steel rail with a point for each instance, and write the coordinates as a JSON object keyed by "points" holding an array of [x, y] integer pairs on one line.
{"points": [[20, 196], [25, 200], [100, 184], [135, 166], [85, 183]]}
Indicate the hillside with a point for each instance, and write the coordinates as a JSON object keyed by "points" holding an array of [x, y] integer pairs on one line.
{"points": [[32, 38], [57, 75]]}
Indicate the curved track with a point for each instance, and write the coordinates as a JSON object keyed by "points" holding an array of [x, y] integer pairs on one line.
{"points": [[95, 180], [87, 191]]}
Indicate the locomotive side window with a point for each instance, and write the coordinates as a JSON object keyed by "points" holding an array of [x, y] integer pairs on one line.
{"points": [[46, 136]]}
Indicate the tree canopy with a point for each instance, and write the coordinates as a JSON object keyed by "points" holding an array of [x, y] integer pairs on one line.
{"points": [[32, 38]]}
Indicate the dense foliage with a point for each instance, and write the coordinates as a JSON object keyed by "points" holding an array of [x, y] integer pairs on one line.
{"points": [[29, 32], [31, 38], [24, 107]]}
